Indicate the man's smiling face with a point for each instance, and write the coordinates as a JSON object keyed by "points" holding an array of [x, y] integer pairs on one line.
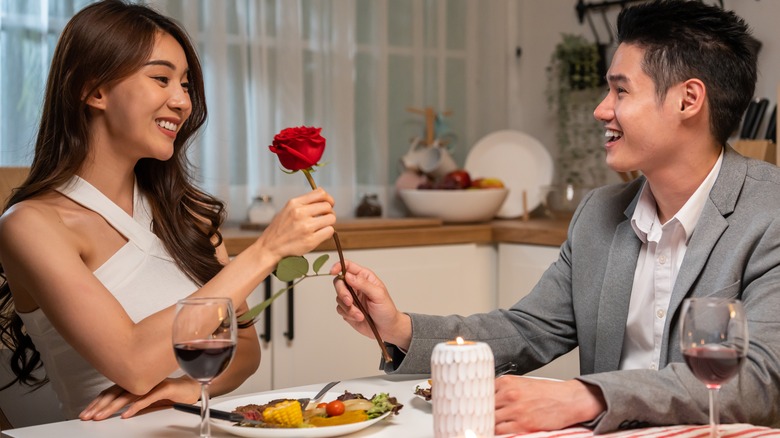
{"points": [[639, 130]]}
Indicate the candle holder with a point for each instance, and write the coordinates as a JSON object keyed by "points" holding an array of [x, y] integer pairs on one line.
{"points": [[463, 387]]}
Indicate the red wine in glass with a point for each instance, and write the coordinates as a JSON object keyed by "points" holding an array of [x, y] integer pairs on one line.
{"points": [[713, 364], [204, 342], [714, 343], [204, 360]]}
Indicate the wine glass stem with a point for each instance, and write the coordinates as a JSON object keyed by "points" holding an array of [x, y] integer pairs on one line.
{"points": [[714, 412], [205, 424]]}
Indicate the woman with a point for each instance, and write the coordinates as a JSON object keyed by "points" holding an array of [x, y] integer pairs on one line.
{"points": [[108, 231]]}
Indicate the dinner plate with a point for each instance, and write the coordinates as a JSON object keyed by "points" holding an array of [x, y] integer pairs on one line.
{"points": [[517, 159], [312, 432], [423, 384], [426, 384]]}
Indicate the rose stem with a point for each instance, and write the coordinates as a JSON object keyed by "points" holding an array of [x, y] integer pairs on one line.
{"points": [[342, 276]]}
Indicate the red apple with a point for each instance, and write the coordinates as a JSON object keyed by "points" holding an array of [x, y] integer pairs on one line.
{"points": [[460, 179]]}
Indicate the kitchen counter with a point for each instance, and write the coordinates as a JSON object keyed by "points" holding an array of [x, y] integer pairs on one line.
{"points": [[404, 232]]}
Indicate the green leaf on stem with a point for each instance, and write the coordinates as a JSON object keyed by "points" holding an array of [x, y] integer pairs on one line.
{"points": [[319, 262], [258, 309], [290, 268]]}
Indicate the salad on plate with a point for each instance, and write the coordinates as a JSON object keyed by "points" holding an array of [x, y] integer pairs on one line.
{"points": [[347, 408]]}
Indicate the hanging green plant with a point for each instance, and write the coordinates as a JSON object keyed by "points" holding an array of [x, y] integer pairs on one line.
{"points": [[574, 83], [576, 63]]}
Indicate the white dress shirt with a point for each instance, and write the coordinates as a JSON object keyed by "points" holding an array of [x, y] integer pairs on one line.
{"points": [[660, 257]]}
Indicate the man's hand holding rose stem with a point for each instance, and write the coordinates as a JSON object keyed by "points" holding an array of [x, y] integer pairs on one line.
{"points": [[300, 149]]}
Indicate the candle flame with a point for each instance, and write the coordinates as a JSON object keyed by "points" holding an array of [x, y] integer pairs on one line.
{"points": [[459, 340]]}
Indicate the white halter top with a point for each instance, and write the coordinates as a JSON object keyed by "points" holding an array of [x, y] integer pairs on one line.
{"points": [[141, 275]]}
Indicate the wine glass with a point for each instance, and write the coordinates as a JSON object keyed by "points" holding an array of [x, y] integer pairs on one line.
{"points": [[204, 342], [714, 342]]}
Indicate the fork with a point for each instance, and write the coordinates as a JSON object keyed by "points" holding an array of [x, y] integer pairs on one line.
{"points": [[306, 401]]}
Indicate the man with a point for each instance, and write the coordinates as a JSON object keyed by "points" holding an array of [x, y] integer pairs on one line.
{"points": [[702, 221]]}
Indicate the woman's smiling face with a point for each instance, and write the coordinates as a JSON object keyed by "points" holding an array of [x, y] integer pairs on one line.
{"points": [[640, 130], [144, 111]]}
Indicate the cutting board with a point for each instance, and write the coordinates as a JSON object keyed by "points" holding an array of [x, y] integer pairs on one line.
{"points": [[372, 224]]}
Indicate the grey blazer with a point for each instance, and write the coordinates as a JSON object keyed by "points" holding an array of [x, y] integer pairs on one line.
{"points": [[582, 300]]}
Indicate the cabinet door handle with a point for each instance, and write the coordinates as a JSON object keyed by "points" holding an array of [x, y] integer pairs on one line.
{"points": [[290, 333], [266, 335]]}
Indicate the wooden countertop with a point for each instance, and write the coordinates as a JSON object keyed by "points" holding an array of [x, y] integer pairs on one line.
{"points": [[401, 232], [535, 231]]}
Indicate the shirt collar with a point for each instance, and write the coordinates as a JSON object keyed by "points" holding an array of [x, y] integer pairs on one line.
{"points": [[646, 212]]}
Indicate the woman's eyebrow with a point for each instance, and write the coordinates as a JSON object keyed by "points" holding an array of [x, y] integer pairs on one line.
{"points": [[162, 62]]}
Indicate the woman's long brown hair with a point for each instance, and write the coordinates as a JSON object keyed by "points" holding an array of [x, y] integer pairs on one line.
{"points": [[101, 45]]}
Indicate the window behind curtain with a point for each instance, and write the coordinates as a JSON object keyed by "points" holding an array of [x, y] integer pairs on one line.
{"points": [[28, 34], [350, 66], [410, 53]]}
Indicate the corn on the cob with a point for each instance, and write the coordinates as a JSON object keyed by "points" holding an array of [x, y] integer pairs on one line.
{"points": [[286, 414]]}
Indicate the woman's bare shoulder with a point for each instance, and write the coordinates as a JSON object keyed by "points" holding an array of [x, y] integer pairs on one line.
{"points": [[41, 216], [36, 210]]}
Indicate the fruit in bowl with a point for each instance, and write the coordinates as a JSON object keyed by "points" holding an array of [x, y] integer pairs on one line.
{"points": [[460, 179], [487, 183], [454, 205]]}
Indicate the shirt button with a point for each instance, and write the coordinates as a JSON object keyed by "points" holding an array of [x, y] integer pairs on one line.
{"points": [[662, 259], [660, 313]]}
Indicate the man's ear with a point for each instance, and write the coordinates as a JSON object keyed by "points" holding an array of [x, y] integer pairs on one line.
{"points": [[693, 97]]}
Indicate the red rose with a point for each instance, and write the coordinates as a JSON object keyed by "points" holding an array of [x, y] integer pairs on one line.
{"points": [[298, 148]]}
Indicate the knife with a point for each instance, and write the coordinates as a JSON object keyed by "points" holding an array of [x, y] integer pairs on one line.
{"points": [[238, 418], [771, 126], [758, 117], [214, 413], [747, 123], [506, 368]]}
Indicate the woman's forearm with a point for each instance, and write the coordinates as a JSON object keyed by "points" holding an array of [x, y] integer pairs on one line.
{"points": [[244, 364]]}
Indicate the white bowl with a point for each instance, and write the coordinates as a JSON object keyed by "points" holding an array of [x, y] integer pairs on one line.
{"points": [[473, 205]]}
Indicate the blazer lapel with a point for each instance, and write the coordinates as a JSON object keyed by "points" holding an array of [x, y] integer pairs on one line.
{"points": [[711, 225], [615, 296]]}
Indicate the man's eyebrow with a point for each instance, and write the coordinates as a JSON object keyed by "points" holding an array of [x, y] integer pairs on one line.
{"points": [[617, 78]]}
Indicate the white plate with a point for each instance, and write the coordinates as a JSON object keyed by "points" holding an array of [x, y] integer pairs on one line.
{"points": [[424, 384], [517, 159], [313, 432]]}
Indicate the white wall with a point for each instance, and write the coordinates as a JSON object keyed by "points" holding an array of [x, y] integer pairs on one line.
{"points": [[539, 24]]}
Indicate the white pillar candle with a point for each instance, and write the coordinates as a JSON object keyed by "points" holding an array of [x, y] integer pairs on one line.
{"points": [[462, 389]]}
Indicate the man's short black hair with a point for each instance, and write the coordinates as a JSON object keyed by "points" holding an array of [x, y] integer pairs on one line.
{"points": [[689, 39]]}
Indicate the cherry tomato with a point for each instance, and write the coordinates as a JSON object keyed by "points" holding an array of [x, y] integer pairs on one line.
{"points": [[334, 408], [322, 405]]}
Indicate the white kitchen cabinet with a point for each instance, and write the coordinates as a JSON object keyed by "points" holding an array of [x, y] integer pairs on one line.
{"points": [[442, 279], [519, 269]]}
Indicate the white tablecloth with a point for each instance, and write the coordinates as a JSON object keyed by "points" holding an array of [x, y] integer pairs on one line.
{"points": [[726, 431], [415, 420]]}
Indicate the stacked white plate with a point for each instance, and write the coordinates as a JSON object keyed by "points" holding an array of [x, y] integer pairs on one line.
{"points": [[517, 159]]}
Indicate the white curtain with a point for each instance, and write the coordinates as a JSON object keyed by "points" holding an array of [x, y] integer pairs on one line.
{"points": [[352, 67], [268, 66], [28, 34]]}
